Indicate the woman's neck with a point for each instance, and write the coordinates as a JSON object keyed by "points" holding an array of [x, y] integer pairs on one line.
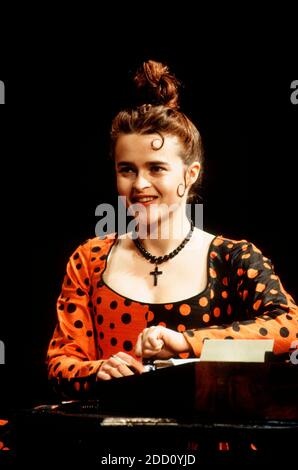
{"points": [[165, 236]]}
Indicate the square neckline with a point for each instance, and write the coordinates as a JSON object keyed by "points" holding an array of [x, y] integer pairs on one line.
{"points": [[187, 300]]}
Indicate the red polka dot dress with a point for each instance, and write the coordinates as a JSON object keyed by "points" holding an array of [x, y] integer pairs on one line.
{"points": [[244, 299]]}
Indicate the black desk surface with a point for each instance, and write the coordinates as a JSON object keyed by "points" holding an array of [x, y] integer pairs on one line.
{"points": [[251, 409]]}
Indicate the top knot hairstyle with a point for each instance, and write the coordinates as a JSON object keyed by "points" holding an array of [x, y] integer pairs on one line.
{"points": [[154, 82], [158, 113]]}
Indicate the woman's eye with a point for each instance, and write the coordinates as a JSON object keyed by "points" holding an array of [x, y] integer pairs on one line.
{"points": [[157, 169], [126, 170]]}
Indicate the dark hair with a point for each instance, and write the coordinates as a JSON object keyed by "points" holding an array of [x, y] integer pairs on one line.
{"points": [[159, 113]]}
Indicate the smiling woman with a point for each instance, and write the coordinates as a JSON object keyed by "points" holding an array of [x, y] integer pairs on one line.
{"points": [[125, 299], [150, 176]]}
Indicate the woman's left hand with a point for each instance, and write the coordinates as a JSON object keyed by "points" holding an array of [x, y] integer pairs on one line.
{"points": [[160, 342]]}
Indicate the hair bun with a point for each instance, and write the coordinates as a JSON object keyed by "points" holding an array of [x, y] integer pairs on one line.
{"points": [[157, 85]]}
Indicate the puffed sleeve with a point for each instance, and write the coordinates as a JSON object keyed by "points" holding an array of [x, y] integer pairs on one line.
{"points": [[269, 311], [73, 352]]}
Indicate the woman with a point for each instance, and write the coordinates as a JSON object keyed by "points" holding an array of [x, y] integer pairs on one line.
{"points": [[145, 295]]}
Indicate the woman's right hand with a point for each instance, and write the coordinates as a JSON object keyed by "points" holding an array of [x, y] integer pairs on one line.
{"points": [[119, 365]]}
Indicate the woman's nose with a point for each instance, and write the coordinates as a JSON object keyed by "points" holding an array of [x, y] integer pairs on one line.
{"points": [[141, 182]]}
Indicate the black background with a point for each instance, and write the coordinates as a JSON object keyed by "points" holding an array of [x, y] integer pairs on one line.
{"points": [[54, 147]]}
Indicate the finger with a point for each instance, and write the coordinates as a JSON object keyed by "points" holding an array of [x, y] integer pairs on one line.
{"points": [[116, 361], [132, 363], [124, 370], [154, 342], [139, 346], [114, 372], [148, 352], [137, 366], [102, 376]]}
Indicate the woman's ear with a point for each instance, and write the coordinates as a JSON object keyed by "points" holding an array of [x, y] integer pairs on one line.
{"points": [[192, 173]]}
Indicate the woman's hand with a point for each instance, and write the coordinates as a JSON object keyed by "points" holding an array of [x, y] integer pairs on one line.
{"points": [[160, 342], [119, 365]]}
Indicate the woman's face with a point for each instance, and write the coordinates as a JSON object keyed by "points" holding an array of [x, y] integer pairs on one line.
{"points": [[148, 174]]}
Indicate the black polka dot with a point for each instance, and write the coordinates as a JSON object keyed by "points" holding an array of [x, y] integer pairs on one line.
{"points": [[235, 326], [57, 365], [80, 292], [114, 304], [127, 302], [99, 319], [190, 333], [89, 333], [90, 368], [71, 367], [90, 304], [114, 341], [95, 249], [284, 332], [127, 345], [98, 300], [78, 324], [53, 343], [61, 345], [289, 317], [263, 331], [77, 373], [126, 318], [229, 337], [70, 338], [101, 335], [67, 299], [78, 266], [68, 282], [103, 257], [71, 308], [96, 270], [79, 350], [76, 256], [93, 258], [86, 281], [100, 283], [112, 326], [61, 307]]}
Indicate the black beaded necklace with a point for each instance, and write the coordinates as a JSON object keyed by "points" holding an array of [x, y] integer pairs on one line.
{"points": [[161, 259]]}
